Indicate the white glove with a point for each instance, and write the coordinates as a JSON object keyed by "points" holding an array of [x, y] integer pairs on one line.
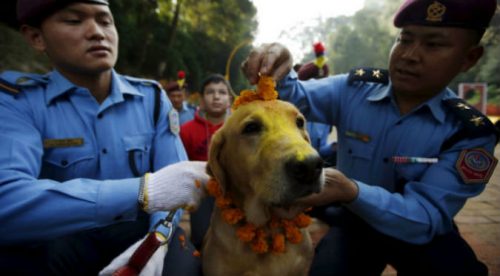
{"points": [[180, 185], [154, 267]]}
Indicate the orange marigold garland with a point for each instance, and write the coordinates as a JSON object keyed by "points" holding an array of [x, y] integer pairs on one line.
{"points": [[280, 230], [265, 92], [278, 243]]}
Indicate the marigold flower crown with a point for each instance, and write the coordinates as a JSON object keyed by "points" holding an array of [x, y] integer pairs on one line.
{"points": [[265, 92]]}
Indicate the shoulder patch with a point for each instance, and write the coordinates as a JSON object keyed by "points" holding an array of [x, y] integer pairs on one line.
{"points": [[476, 165], [472, 119], [8, 87], [367, 74], [173, 118]]}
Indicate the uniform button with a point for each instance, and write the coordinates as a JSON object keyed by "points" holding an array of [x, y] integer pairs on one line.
{"points": [[104, 151], [399, 123], [349, 151], [64, 162], [386, 160], [99, 116], [119, 217]]}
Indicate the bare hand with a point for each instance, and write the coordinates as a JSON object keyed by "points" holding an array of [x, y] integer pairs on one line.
{"points": [[272, 60], [337, 189]]}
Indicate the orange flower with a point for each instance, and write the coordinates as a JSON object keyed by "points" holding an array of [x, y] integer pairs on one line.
{"points": [[259, 244], [233, 215], [213, 188], [265, 88], [223, 202], [302, 220], [246, 233], [278, 243], [265, 92], [293, 234], [196, 253]]}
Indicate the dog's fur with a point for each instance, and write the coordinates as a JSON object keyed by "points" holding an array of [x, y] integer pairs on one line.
{"points": [[262, 155]]}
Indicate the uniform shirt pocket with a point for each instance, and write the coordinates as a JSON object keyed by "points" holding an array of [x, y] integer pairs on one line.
{"points": [[63, 164], [138, 148], [361, 154]]}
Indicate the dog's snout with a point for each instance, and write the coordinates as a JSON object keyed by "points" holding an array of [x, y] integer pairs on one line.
{"points": [[305, 171]]}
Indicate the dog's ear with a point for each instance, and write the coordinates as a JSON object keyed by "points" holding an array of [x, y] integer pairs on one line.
{"points": [[214, 166]]}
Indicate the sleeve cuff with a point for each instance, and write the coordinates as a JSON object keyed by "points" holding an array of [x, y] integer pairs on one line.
{"points": [[368, 197], [113, 206]]}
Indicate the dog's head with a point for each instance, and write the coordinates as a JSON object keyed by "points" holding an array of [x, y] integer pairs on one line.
{"points": [[263, 153]]}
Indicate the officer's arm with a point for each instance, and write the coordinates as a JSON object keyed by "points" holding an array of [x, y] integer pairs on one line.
{"points": [[427, 207], [38, 209]]}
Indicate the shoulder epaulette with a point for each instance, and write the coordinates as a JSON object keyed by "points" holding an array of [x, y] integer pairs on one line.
{"points": [[146, 82], [475, 123], [8, 87], [24, 79], [367, 74]]}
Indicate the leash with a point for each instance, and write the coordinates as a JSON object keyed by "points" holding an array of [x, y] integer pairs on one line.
{"points": [[148, 247]]}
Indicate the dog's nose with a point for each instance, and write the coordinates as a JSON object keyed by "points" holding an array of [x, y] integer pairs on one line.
{"points": [[305, 171]]}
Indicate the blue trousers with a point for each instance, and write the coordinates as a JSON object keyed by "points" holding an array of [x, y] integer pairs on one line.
{"points": [[352, 247], [86, 253]]}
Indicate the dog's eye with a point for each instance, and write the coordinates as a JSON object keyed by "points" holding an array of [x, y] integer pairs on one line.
{"points": [[252, 128], [300, 122]]}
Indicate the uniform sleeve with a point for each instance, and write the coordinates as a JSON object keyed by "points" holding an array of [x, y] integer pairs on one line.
{"points": [[39, 209], [318, 99], [427, 207]]}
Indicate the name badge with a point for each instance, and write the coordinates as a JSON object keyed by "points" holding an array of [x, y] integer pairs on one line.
{"points": [[62, 143], [359, 136]]}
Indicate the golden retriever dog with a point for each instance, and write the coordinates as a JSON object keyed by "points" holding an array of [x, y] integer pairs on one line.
{"points": [[262, 156]]}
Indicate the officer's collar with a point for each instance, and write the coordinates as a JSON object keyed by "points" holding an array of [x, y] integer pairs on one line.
{"points": [[433, 104], [58, 85]]}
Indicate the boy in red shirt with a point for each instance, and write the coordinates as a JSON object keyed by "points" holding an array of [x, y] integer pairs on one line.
{"points": [[214, 104]]}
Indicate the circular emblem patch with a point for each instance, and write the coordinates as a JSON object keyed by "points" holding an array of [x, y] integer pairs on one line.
{"points": [[477, 161], [476, 165]]}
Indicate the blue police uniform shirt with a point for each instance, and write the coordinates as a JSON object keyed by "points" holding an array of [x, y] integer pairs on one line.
{"points": [[318, 134], [370, 131], [64, 163], [186, 114]]}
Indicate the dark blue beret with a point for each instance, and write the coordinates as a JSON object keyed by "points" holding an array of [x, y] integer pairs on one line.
{"points": [[29, 11], [470, 14]]}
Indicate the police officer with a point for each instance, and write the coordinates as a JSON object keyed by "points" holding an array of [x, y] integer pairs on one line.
{"points": [[410, 152], [177, 96], [89, 159]]}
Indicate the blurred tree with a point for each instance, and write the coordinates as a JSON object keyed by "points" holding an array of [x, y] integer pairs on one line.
{"points": [[365, 39]]}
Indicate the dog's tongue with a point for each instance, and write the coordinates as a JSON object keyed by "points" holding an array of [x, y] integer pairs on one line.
{"points": [[288, 212]]}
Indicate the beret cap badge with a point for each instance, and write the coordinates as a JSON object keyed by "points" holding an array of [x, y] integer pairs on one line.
{"points": [[435, 12]]}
